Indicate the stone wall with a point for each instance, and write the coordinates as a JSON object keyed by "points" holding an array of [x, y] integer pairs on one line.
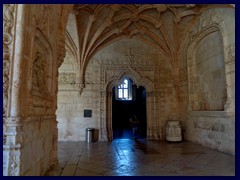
{"points": [[214, 129], [211, 77], [146, 67]]}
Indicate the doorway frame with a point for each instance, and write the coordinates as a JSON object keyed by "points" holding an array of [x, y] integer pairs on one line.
{"points": [[152, 119]]}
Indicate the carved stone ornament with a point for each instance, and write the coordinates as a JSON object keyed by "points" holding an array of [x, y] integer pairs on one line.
{"points": [[61, 51], [42, 64], [41, 19], [230, 53], [67, 78], [206, 21], [39, 73], [8, 26], [173, 131], [129, 56], [11, 165]]}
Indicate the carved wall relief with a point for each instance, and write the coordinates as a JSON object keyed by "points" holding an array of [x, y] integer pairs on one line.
{"points": [[39, 73], [42, 18], [42, 65], [67, 78], [8, 35], [42, 76]]}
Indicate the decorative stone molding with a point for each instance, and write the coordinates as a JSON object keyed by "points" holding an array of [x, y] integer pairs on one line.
{"points": [[213, 19], [67, 78], [8, 38], [11, 160], [230, 51], [42, 18], [79, 84], [109, 80], [12, 147]]}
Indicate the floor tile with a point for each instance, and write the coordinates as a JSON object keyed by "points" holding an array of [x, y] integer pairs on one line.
{"points": [[126, 157]]}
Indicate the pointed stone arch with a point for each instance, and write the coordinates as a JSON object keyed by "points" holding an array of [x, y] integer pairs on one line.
{"points": [[205, 26], [153, 124], [134, 76]]}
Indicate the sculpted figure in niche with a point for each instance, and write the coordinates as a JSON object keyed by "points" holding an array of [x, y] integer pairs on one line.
{"points": [[39, 73], [129, 56]]}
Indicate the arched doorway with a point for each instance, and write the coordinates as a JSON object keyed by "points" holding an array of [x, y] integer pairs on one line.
{"points": [[128, 100], [145, 86]]}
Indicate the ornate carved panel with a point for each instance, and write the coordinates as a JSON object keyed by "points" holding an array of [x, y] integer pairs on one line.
{"points": [[8, 38], [11, 165], [42, 17], [112, 73], [67, 78]]}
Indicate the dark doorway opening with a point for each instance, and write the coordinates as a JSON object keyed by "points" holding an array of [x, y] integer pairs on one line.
{"points": [[123, 110]]}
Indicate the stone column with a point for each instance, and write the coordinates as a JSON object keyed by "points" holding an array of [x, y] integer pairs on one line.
{"points": [[109, 116], [12, 148], [103, 119], [13, 16]]}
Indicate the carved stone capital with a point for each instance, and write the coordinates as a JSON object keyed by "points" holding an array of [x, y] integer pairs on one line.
{"points": [[67, 78], [79, 87]]}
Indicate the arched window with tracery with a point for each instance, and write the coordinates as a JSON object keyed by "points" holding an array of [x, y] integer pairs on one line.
{"points": [[124, 90]]}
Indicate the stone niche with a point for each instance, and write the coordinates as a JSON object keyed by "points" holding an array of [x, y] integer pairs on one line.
{"points": [[210, 78], [211, 81], [42, 76]]}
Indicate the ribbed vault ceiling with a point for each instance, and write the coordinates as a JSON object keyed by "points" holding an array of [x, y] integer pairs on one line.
{"points": [[164, 27]]}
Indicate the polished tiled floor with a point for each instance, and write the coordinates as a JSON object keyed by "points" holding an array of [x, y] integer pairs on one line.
{"points": [[126, 157]]}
